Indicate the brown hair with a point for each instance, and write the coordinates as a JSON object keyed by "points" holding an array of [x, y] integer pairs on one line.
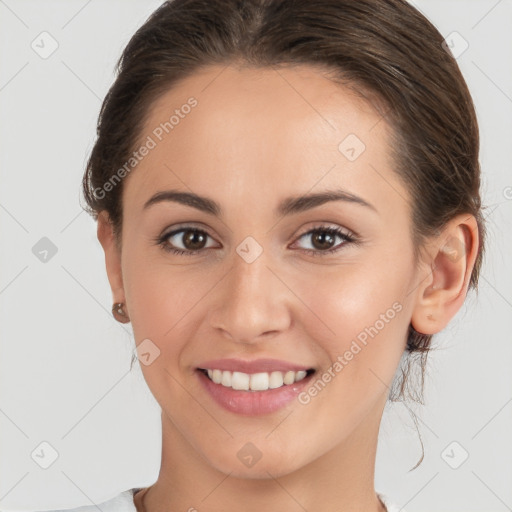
{"points": [[384, 50]]}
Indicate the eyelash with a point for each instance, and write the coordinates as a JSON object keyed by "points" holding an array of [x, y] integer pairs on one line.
{"points": [[348, 239]]}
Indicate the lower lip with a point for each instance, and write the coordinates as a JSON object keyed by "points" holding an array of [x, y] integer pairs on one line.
{"points": [[252, 403]]}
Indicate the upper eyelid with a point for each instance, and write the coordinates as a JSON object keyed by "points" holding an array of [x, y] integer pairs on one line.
{"points": [[345, 234], [192, 227], [308, 231]]}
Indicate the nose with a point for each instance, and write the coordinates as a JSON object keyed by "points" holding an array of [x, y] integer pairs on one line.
{"points": [[252, 302]]}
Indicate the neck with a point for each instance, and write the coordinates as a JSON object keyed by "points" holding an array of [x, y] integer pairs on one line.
{"points": [[340, 479]]}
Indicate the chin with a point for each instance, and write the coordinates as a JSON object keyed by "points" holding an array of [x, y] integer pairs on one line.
{"points": [[241, 458]]}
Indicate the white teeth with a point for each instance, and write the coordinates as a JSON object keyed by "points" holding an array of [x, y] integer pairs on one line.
{"points": [[276, 380], [259, 381], [255, 381], [239, 381], [226, 379], [289, 378], [217, 376], [300, 375]]}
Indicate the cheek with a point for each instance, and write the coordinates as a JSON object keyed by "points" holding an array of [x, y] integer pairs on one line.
{"points": [[163, 303], [360, 328], [360, 317], [162, 310]]}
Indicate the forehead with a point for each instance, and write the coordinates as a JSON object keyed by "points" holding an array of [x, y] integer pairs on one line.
{"points": [[225, 130]]}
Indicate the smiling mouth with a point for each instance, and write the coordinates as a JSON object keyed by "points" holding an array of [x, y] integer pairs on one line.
{"points": [[262, 381]]}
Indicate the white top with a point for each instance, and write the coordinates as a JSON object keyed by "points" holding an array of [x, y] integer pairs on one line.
{"points": [[124, 503]]}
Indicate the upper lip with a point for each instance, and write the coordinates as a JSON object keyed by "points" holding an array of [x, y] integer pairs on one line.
{"points": [[254, 366]]}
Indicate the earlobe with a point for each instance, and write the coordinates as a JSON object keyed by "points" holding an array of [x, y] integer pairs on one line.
{"points": [[443, 291], [112, 256]]}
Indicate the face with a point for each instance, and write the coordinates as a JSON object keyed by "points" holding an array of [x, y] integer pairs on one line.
{"points": [[305, 300]]}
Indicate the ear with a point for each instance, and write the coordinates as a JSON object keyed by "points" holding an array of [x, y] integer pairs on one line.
{"points": [[449, 264], [112, 256]]}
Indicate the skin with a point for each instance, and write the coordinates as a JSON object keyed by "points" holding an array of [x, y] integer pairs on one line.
{"points": [[258, 136]]}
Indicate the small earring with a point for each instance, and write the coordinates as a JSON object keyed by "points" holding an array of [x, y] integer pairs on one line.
{"points": [[119, 314], [430, 317]]}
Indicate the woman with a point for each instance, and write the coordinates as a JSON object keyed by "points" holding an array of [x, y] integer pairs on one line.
{"points": [[287, 194]]}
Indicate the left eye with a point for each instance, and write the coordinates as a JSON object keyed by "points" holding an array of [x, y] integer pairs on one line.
{"points": [[323, 239], [193, 240]]}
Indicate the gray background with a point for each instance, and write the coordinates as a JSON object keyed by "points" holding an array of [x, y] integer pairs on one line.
{"points": [[64, 365]]}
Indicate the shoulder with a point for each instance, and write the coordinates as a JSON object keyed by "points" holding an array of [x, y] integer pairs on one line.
{"points": [[123, 502], [390, 506]]}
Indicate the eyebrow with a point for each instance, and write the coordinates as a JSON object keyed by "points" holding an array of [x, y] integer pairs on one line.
{"points": [[288, 206]]}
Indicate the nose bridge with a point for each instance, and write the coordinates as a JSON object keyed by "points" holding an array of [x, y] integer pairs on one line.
{"points": [[252, 302]]}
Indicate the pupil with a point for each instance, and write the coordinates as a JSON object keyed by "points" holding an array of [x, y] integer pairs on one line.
{"points": [[322, 237], [193, 240]]}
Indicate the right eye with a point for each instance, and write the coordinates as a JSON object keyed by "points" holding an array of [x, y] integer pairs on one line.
{"points": [[192, 241]]}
